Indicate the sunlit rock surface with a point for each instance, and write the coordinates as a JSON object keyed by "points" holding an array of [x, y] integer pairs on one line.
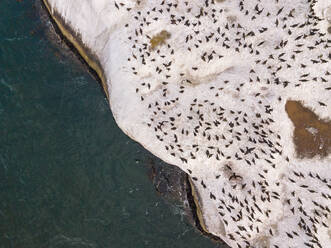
{"points": [[226, 91]]}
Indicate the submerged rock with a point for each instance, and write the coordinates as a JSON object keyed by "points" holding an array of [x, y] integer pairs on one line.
{"points": [[215, 88]]}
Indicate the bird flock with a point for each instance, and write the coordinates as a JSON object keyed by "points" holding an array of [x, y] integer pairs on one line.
{"points": [[210, 80], [213, 77]]}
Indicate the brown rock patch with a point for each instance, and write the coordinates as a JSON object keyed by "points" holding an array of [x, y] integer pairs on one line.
{"points": [[312, 136]]}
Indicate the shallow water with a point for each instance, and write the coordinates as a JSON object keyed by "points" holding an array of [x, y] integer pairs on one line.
{"points": [[68, 176]]}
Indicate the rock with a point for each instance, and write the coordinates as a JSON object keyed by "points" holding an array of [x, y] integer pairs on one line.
{"points": [[208, 86], [174, 185]]}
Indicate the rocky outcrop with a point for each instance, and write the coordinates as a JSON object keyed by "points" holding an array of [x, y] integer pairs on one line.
{"points": [[215, 88]]}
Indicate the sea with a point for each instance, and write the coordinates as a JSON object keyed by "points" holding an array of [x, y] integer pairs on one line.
{"points": [[69, 177]]}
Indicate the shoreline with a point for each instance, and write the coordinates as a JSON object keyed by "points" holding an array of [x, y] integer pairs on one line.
{"points": [[87, 57], [193, 198]]}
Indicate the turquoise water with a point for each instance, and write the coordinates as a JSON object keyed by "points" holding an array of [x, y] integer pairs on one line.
{"points": [[68, 176]]}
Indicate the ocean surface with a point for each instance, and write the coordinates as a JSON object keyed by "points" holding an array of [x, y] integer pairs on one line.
{"points": [[69, 177]]}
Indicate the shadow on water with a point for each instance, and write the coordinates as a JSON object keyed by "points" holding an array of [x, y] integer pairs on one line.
{"points": [[68, 176]]}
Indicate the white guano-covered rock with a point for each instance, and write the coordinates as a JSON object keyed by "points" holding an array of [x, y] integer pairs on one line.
{"points": [[203, 85]]}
